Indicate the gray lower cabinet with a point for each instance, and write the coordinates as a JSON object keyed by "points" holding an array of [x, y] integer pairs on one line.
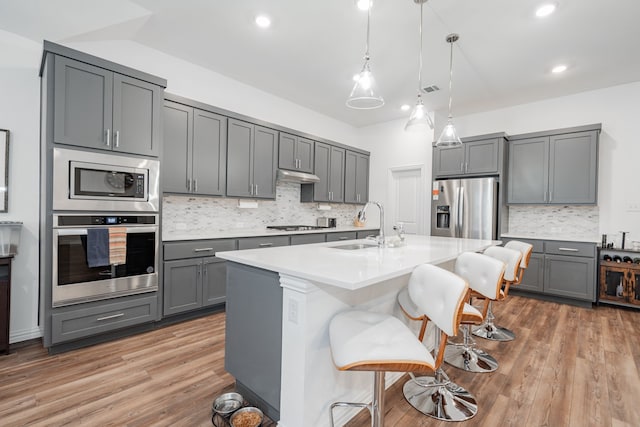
{"points": [[548, 168], [295, 153], [263, 242], [356, 177], [84, 320], [480, 155], [194, 154], [98, 108], [366, 234], [252, 159], [305, 239], [193, 277], [329, 166], [342, 235], [561, 268]]}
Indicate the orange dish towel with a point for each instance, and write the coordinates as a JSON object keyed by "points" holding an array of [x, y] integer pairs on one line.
{"points": [[117, 245]]}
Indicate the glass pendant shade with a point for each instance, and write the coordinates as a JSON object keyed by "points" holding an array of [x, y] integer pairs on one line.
{"points": [[449, 136], [419, 120], [364, 95]]}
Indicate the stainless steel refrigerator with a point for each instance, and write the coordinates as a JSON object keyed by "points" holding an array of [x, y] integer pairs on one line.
{"points": [[465, 208]]}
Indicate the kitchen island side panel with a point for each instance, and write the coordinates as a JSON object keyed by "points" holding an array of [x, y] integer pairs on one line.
{"points": [[253, 344]]}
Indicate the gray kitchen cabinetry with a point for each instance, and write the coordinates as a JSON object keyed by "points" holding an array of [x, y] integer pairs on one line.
{"points": [[193, 276], [561, 269], [479, 155], [555, 167], [85, 320], [252, 158], [367, 234], [102, 109], [295, 153], [356, 177], [341, 235], [194, 154], [263, 242], [305, 239], [329, 165]]}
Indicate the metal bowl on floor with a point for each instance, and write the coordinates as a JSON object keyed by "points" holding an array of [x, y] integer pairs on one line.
{"points": [[247, 417], [227, 403]]}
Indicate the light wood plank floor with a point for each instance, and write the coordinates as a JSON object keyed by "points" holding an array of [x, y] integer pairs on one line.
{"points": [[568, 367]]}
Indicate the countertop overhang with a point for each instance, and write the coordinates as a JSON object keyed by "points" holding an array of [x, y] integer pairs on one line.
{"points": [[359, 268]]}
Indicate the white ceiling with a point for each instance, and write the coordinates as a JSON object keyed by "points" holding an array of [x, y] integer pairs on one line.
{"points": [[313, 48]]}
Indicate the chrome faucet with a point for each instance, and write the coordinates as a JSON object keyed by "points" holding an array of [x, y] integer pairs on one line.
{"points": [[362, 217]]}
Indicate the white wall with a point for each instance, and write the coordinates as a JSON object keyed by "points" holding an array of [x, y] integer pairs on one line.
{"points": [[618, 109], [20, 114]]}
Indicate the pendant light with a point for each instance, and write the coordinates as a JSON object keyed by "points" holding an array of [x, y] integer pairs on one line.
{"points": [[449, 136], [419, 119], [364, 95]]}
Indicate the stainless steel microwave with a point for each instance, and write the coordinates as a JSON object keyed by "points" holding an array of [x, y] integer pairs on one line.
{"points": [[90, 181]]}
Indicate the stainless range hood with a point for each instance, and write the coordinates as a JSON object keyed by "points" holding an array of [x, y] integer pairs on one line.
{"points": [[293, 176]]}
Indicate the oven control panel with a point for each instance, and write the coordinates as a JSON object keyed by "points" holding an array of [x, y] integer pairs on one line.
{"points": [[84, 220]]}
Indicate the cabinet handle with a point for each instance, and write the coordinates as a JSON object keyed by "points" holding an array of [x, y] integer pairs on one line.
{"points": [[461, 166], [568, 249], [550, 196], [202, 249], [256, 190], [466, 167], [116, 138], [343, 238], [265, 245], [195, 185], [199, 270], [188, 185], [108, 137], [113, 316]]}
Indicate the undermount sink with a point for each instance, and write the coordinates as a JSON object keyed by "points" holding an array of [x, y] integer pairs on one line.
{"points": [[354, 246]]}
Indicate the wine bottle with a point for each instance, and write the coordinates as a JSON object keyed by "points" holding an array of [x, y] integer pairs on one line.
{"points": [[620, 289]]}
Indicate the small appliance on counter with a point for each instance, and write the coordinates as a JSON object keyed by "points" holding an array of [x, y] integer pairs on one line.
{"points": [[324, 221]]}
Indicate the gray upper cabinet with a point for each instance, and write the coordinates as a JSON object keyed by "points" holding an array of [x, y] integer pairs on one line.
{"points": [[252, 157], [473, 157], [295, 153], [98, 108], [356, 177], [329, 166], [554, 169], [194, 151]]}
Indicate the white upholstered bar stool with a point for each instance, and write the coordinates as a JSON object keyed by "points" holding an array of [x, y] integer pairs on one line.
{"points": [[437, 295], [484, 275], [525, 249], [488, 329]]}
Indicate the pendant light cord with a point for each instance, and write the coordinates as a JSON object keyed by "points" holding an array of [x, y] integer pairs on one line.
{"points": [[366, 53], [420, 54], [450, 76]]}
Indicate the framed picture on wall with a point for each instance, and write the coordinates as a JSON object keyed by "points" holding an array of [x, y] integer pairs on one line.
{"points": [[4, 169]]}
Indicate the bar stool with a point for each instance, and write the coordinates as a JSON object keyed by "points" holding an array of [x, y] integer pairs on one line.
{"points": [[366, 341], [512, 259], [456, 403], [484, 275], [436, 396], [525, 249]]}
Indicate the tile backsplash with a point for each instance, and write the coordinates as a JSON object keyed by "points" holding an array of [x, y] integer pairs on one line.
{"points": [[181, 213], [568, 221]]}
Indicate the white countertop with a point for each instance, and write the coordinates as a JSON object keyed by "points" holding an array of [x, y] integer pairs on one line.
{"points": [[565, 238], [355, 269], [175, 235]]}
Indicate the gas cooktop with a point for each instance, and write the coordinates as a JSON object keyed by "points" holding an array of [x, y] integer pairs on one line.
{"points": [[294, 227]]}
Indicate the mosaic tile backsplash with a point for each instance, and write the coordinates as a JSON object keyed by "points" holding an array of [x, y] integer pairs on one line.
{"points": [[569, 221], [223, 214]]}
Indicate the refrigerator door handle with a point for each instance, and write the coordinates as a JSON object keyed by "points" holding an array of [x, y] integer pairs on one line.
{"points": [[460, 203]]}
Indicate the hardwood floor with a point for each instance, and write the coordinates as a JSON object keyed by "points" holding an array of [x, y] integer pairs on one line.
{"points": [[568, 366]]}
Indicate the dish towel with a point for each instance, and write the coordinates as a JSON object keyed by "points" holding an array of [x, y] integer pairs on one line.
{"points": [[117, 245], [97, 247]]}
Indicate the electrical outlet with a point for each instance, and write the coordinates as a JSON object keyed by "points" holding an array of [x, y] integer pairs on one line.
{"points": [[293, 311], [633, 206]]}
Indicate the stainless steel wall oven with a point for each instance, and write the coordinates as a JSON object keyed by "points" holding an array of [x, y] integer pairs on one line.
{"points": [[73, 281]]}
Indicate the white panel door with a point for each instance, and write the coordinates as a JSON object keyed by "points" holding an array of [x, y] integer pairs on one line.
{"points": [[406, 194]]}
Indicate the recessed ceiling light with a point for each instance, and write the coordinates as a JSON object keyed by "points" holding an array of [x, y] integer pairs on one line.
{"points": [[405, 107], [545, 10], [363, 4], [559, 69], [263, 21]]}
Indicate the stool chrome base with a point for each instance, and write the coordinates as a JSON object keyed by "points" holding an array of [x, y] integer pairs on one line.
{"points": [[443, 400], [469, 358], [492, 332]]}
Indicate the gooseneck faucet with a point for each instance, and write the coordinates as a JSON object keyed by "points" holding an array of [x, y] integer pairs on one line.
{"points": [[362, 217]]}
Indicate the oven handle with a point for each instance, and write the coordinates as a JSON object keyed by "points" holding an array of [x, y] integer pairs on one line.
{"points": [[83, 231]]}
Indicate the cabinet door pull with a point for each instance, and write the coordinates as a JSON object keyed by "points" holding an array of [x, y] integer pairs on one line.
{"points": [[108, 137], [569, 249], [466, 167], [202, 249], [265, 245], [255, 186], [343, 238], [188, 185], [116, 137], [195, 185], [113, 316]]}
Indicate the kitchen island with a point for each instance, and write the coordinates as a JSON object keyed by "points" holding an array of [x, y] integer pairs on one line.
{"points": [[279, 304]]}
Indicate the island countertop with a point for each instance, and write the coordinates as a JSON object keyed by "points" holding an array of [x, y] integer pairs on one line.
{"points": [[355, 268]]}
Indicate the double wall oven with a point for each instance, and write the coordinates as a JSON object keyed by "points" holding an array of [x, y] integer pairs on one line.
{"points": [[93, 191]]}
